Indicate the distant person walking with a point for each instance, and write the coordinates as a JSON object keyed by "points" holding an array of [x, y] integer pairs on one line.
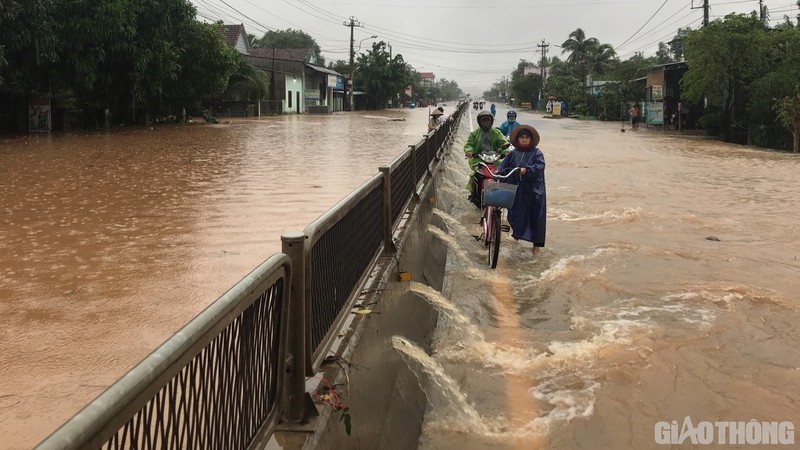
{"points": [[634, 113]]}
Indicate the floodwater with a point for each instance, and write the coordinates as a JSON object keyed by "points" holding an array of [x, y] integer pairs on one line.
{"points": [[111, 242], [630, 316]]}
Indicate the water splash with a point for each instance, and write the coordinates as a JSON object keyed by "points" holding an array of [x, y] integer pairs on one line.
{"points": [[444, 394], [471, 344], [452, 223], [458, 251]]}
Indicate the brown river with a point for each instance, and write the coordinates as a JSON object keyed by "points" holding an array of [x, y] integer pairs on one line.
{"points": [[111, 242]]}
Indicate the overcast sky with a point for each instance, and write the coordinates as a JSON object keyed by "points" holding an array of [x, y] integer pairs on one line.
{"points": [[478, 42]]}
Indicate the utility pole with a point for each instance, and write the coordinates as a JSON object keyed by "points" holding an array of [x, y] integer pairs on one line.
{"points": [[543, 46], [353, 23], [705, 12]]}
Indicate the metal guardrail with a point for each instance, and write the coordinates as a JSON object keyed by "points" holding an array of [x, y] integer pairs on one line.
{"points": [[225, 379], [214, 384], [341, 245]]}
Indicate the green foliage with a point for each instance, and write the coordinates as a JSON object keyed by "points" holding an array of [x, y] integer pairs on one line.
{"points": [[128, 56], [28, 45], [444, 89], [383, 78], [208, 66], [743, 70], [609, 102], [578, 46], [724, 58], [247, 83], [289, 38], [340, 66], [788, 109], [526, 88]]}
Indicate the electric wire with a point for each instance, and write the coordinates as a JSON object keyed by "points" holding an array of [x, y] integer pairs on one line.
{"points": [[648, 21]]}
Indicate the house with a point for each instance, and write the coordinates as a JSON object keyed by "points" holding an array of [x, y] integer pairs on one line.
{"points": [[299, 84], [663, 96], [428, 78], [236, 37], [593, 86]]}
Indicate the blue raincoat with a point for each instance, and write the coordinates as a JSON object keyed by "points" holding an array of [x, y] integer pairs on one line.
{"points": [[528, 215], [508, 126]]}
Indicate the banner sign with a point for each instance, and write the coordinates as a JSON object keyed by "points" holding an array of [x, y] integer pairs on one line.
{"points": [[39, 115]]}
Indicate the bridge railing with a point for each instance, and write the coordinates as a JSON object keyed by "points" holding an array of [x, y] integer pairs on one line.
{"points": [[230, 375], [217, 383]]}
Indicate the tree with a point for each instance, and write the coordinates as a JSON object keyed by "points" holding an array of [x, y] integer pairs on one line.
{"points": [[207, 66], [578, 47], [28, 45], [676, 45], [290, 38], [663, 54], [382, 77], [789, 115], [724, 58], [599, 58], [119, 55]]}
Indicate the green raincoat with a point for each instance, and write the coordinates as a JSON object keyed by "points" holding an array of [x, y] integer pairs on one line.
{"points": [[480, 141]]}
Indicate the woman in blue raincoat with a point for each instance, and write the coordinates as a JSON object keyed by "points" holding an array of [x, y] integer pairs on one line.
{"points": [[528, 214]]}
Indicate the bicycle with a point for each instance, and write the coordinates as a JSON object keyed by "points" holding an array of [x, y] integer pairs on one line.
{"points": [[495, 196]]}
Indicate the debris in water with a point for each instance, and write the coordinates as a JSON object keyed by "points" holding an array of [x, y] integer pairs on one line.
{"points": [[713, 238]]}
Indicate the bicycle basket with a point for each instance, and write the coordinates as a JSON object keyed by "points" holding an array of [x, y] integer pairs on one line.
{"points": [[499, 194]]}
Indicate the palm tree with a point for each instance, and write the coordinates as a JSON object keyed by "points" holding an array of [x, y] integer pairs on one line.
{"points": [[578, 47], [247, 83], [600, 57]]}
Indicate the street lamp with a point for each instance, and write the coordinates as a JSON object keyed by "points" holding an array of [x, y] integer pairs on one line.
{"points": [[353, 71], [359, 42]]}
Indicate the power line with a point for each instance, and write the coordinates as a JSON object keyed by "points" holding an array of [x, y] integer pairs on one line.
{"points": [[655, 30], [648, 21]]}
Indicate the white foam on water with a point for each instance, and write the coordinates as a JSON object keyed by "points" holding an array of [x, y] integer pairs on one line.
{"points": [[472, 345], [619, 215], [565, 266], [452, 223]]}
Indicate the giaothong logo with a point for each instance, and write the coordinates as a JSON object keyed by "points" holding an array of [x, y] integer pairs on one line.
{"points": [[724, 433]]}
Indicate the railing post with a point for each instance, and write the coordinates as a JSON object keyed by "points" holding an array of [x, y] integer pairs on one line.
{"points": [[427, 144], [414, 180], [388, 244], [295, 386]]}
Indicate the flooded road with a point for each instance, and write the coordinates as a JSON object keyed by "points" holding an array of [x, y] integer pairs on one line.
{"points": [[109, 243], [630, 316]]}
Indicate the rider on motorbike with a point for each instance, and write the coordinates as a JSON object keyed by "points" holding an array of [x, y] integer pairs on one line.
{"points": [[484, 140], [508, 126]]}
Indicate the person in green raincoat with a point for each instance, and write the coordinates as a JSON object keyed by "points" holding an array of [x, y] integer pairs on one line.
{"points": [[484, 140]]}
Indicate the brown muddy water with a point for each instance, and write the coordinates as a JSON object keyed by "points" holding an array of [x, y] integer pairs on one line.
{"points": [[630, 316], [109, 243]]}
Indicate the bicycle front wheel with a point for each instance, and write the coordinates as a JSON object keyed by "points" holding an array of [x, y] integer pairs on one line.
{"points": [[494, 238]]}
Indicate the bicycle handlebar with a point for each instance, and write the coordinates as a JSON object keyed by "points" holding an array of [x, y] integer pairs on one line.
{"points": [[503, 177]]}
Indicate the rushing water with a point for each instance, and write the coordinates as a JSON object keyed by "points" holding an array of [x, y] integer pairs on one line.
{"points": [[111, 242], [630, 316]]}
